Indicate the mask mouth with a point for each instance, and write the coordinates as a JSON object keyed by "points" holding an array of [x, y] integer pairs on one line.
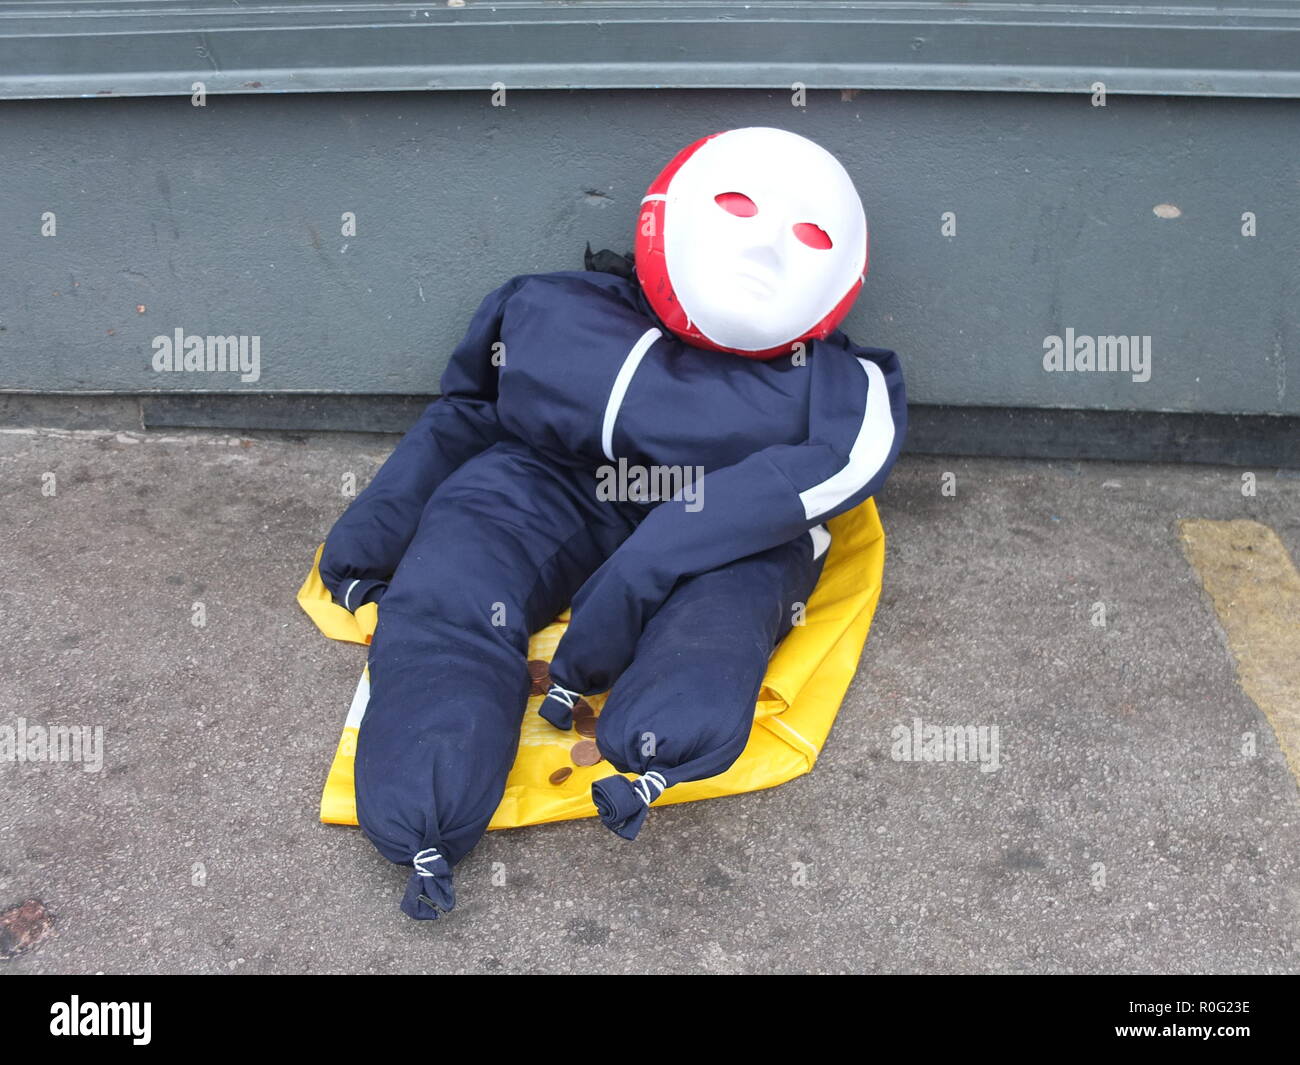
{"points": [[760, 285]]}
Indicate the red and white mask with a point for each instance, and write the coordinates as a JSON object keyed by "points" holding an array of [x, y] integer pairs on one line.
{"points": [[750, 241]]}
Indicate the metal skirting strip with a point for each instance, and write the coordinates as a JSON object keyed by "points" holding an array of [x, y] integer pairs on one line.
{"points": [[105, 48], [1117, 435], [1262, 440], [293, 413]]}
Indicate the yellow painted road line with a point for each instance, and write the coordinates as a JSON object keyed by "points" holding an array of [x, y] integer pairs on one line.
{"points": [[1255, 588]]}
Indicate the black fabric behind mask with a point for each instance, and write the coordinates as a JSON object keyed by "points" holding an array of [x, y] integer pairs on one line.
{"points": [[609, 262]]}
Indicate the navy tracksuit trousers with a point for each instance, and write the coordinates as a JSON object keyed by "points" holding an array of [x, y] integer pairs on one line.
{"points": [[501, 549]]}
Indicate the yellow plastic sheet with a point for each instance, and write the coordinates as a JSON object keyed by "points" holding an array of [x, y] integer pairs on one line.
{"points": [[802, 690]]}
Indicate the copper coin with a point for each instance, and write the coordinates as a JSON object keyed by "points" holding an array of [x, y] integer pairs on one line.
{"points": [[585, 752], [561, 775], [540, 672], [586, 726]]}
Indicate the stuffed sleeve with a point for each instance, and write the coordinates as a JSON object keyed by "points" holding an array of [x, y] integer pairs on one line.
{"points": [[857, 421], [367, 542]]}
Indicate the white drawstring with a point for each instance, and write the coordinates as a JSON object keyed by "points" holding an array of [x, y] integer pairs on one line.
{"points": [[644, 783], [563, 695], [429, 855]]}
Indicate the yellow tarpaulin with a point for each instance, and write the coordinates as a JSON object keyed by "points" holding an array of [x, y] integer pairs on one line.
{"points": [[802, 690]]}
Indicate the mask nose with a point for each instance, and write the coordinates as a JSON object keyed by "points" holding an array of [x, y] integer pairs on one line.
{"points": [[764, 246]]}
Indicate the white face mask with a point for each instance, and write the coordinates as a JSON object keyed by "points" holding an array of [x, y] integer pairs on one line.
{"points": [[764, 235]]}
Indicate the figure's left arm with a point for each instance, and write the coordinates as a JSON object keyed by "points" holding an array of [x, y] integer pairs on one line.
{"points": [[857, 420], [369, 539]]}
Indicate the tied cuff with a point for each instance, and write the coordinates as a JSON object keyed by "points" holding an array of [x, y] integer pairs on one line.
{"points": [[354, 593], [557, 707], [624, 804], [429, 891]]}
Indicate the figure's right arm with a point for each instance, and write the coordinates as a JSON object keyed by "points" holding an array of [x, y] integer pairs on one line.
{"points": [[366, 544]]}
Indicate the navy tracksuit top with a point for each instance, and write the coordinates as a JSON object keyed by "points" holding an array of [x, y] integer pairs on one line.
{"points": [[557, 376]]}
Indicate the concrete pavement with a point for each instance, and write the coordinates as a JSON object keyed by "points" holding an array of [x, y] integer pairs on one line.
{"points": [[1143, 817]]}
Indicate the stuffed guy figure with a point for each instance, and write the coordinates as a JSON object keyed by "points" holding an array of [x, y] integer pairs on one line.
{"points": [[720, 360]]}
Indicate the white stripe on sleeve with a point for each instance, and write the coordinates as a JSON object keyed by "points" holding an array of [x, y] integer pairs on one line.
{"points": [[821, 539], [866, 457]]}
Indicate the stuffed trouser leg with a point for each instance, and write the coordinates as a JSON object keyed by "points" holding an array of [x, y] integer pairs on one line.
{"points": [[500, 549], [684, 708]]}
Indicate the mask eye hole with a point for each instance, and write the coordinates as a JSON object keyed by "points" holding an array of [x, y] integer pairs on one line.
{"points": [[813, 236], [736, 203]]}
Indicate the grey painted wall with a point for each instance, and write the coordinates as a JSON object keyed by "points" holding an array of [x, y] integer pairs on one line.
{"points": [[226, 220]]}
